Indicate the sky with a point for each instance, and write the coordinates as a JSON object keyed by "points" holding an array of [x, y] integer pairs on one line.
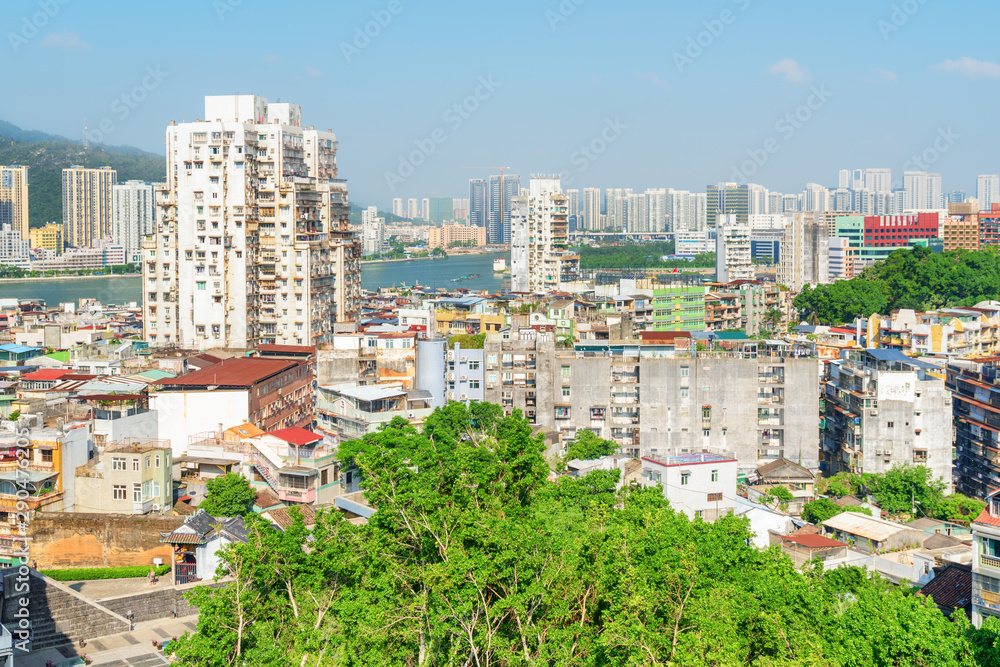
{"points": [[633, 94]]}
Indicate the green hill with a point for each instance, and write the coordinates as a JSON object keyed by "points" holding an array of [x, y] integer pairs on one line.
{"points": [[46, 158]]}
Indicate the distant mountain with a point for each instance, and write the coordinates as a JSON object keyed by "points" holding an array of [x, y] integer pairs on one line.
{"points": [[46, 155]]}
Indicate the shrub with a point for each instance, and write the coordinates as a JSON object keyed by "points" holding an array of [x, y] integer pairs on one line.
{"points": [[92, 573]]}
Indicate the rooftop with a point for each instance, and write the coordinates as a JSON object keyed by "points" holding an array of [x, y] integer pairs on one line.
{"points": [[812, 541], [242, 372], [688, 458], [366, 392], [865, 526], [296, 436]]}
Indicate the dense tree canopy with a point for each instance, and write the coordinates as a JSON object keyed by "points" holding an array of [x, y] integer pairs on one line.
{"points": [[909, 278], [639, 256], [228, 496], [474, 557], [588, 446]]}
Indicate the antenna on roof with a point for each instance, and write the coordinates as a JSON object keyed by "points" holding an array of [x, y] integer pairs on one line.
{"points": [[86, 139]]}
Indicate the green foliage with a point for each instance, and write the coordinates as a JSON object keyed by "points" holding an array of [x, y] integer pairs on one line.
{"points": [[474, 557], [840, 485], [958, 508], [819, 510], [985, 641], [47, 159], [93, 573], [118, 269], [909, 278], [14, 416], [587, 446], [902, 486], [228, 496], [468, 341], [638, 256]]}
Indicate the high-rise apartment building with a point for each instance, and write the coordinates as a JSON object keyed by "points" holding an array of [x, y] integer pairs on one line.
{"points": [[49, 238], [372, 231], [758, 198], [988, 191], [132, 214], [922, 191], [805, 252], [816, 198], [477, 202], [502, 189], [590, 213], [733, 259], [877, 180], [656, 210], [86, 204], [14, 198], [539, 258], [397, 207], [425, 209], [616, 207], [13, 249], [252, 244], [686, 211], [727, 198], [986, 561], [412, 212], [636, 213], [960, 228]]}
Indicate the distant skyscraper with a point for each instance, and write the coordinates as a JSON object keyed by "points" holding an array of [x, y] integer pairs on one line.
{"points": [[616, 206], [425, 209], [728, 198], [397, 207], [844, 178], [501, 190], [133, 211], [988, 191], [14, 199], [922, 191], [877, 180], [685, 210], [732, 249], [477, 202], [758, 198], [372, 231], [955, 197], [816, 198], [411, 209], [440, 210], [636, 219], [656, 209], [86, 204], [574, 201], [590, 212]]}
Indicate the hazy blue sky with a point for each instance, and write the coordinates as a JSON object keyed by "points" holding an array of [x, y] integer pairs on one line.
{"points": [[628, 79]]}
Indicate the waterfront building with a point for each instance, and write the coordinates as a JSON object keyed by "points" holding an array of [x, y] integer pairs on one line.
{"points": [[14, 198], [132, 214], [87, 204]]}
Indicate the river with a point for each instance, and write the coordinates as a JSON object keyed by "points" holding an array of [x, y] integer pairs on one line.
{"points": [[426, 272]]}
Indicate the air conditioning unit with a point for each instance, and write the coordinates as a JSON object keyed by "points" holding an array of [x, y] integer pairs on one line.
{"points": [[409, 415], [888, 452], [465, 397], [874, 413], [465, 359], [156, 507], [878, 452]]}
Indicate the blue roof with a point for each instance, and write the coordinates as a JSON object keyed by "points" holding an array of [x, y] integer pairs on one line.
{"points": [[14, 348], [884, 354]]}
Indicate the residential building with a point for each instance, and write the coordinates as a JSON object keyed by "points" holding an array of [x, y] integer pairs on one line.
{"points": [[590, 212], [922, 191], [882, 408], [372, 231], [653, 400], [841, 261], [300, 466], [700, 484], [14, 198], [87, 204], [349, 410], [960, 228], [425, 209], [397, 207], [727, 199], [444, 236], [816, 198], [501, 191], [987, 191], [694, 243], [877, 180], [732, 249], [986, 561], [48, 238], [477, 202], [637, 214], [805, 252], [412, 212], [616, 207], [198, 543], [102, 254], [886, 233], [989, 226], [686, 211], [540, 259], [252, 243], [132, 214], [871, 535], [14, 250], [678, 308], [270, 393], [975, 392], [372, 357], [132, 476]]}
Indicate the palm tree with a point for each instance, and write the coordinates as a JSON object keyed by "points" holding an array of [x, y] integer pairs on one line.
{"points": [[773, 318]]}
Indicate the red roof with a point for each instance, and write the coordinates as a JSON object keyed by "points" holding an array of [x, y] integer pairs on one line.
{"points": [[46, 374], [287, 349], [296, 436], [813, 541], [988, 519], [235, 372], [843, 330]]}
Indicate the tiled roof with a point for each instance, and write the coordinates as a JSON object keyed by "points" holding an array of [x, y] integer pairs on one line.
{"points": [[813, 541], [46, 374], [235, 372], [951, 588], [296, 436], [988, 519]]}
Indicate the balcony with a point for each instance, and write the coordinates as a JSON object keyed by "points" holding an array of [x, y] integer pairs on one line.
{"points": [[286, 494], [989, 561]]}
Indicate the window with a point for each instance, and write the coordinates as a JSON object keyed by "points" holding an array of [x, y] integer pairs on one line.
{"points": [[135, 465], [137, 493], [715, 475], [473, 365], [890, 424], [706, 432], [118, 463], [565, 392], [118, 491], [684, 371], [684, 392], [473, 384], [685, 478], [565, 371], [562, 412], [491, 359], [706, 413], [46, 456], [492, 378], [323, 477], [147, 462]]}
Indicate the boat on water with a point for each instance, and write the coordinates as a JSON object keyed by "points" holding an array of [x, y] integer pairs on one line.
{"points": [[468, 277]]}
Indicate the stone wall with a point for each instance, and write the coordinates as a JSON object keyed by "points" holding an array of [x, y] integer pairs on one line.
{"points": [[70, 539], [150, 606]]}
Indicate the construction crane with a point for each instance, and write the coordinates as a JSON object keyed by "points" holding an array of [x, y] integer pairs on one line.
{"points": [[501, 189]]}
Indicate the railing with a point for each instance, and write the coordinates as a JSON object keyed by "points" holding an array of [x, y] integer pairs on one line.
{"points": [[990, 561]]}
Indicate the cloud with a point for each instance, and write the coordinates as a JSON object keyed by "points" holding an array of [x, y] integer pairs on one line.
{"points": [[791, 70], [879, 75], [654, 78], [312, 71], [67, 40], [967, 66]]}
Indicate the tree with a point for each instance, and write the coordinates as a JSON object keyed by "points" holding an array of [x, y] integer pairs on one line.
{"points": [[587, 446], [228, 496], [905, 487], [779, 495], [819, 510]]}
